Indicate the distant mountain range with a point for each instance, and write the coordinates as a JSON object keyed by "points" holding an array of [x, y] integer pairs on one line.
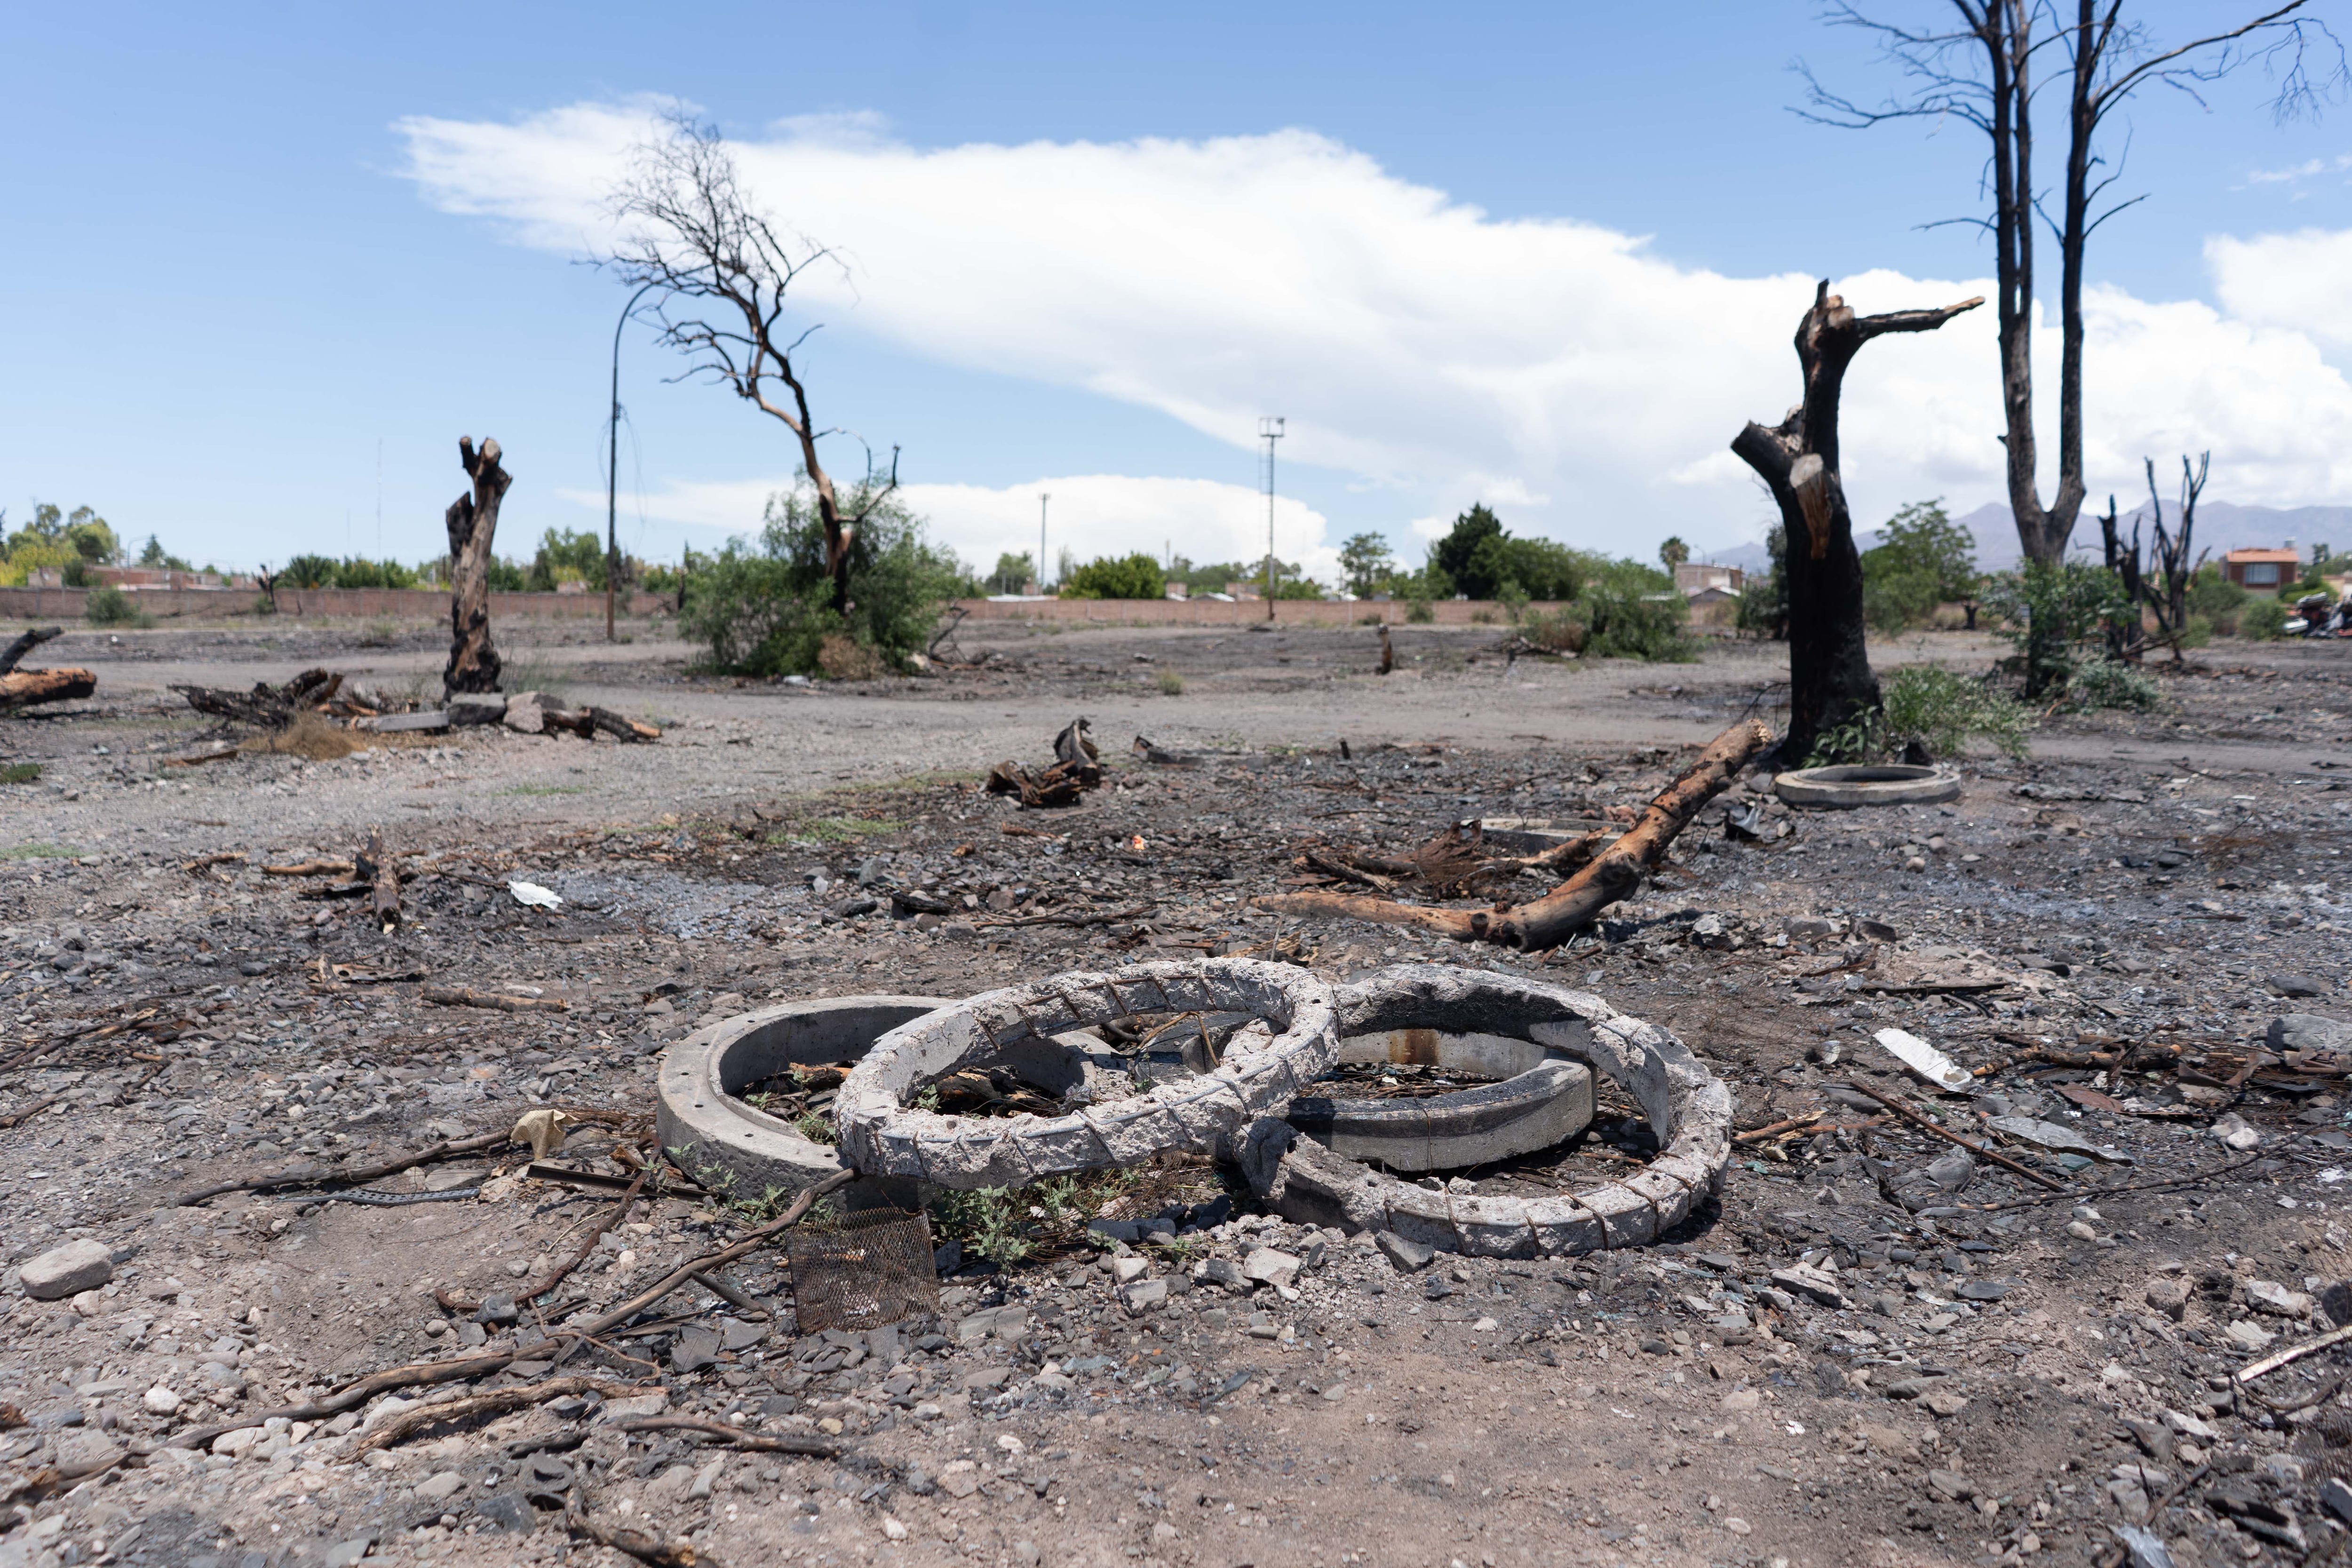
{"points": [[2221, 526]]}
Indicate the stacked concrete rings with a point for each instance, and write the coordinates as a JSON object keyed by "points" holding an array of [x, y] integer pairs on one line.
{"points": [[1687, 1107]]}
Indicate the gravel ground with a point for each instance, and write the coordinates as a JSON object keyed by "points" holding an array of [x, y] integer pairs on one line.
{"points": [[1865, 1353]]}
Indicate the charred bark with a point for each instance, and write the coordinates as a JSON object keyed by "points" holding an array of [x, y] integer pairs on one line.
{"points": [[1830, 678], [23, 687], [473, 521], [32, 638], [1576, 903]]}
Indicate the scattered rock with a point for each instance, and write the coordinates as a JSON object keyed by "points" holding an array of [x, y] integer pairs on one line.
{"points": [[1268, 1267], [2270, 1295], [1409, 1256], [86, 1454], [2170, 1297], [68, 1270]]}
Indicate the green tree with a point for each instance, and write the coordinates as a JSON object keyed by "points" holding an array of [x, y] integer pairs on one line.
{"points": [[766, 608], [1012, 573], [1925, 559], [568, 556], [155, 558], [2049, 614], [1366, 562], [1764, 602], [1673, 551], [1456, 553], [1136, 576]]}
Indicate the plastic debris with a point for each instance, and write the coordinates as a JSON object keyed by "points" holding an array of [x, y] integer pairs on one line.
{"points": [[543, 1129], [537, 897], [1925, 1059]]}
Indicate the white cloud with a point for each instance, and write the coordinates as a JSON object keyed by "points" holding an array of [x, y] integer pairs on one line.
{"points": [[1089, 515], [2291, 281], [1413, 342]]}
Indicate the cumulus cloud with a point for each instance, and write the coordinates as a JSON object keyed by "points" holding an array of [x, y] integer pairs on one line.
{"points": [[2291, 281], [1089, 515], [1431, 350]]}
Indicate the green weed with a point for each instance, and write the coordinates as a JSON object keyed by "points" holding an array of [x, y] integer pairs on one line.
{"points": [[19, 773]]}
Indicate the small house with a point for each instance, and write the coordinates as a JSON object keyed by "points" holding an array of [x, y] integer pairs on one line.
{"points": [[2262, 570]]}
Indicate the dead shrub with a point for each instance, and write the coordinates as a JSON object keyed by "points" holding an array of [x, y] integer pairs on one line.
{"points": [[846, 658], [311, 735]]}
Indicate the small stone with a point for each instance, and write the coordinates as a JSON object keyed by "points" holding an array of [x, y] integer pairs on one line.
{"points": [[347, 1553], [1163, 1530], [2336, 1499], [893, 1529], [635, 1407], [2249, 1334], [159, 1400], [1126, 1270], [86, 1454], [1141, 1296], [240, 1441], [2170, 1297], [440, 1487], [1738, 1526], [1743, 1399], [2077, 1229], [959, 1479], [1409, 1256], [2234, 1132], [2297, 986], [1025, 1552], [2270, 1295], [68, 1270], [1222, 1271], [1269, 1267], [1945, 1402], [1951, 1485]]}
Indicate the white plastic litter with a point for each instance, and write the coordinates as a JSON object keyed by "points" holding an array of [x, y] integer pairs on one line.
{"points": [[1925, 1059], [539, 898]]}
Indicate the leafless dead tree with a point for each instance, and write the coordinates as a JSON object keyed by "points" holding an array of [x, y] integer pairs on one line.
{"points": [[1830, 681], [721, 275], [1984, 71], [2162, 585]]}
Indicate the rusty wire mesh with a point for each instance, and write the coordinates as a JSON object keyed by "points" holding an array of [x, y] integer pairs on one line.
{"points": [[863, 1271]]}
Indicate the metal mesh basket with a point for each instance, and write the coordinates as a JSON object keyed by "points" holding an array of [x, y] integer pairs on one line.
{"points": [[863, 1271]]}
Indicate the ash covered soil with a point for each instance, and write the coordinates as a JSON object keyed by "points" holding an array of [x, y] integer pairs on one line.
{"points": [[1869, 1350]]}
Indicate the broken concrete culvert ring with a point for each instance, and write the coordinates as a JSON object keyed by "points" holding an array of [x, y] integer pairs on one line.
{"points": [[1686, 1106], [1539, 1096], [718, 1135], [1892, 783], [1292, 1040]]}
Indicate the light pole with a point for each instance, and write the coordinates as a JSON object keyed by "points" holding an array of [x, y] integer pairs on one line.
{"points": [[1042, 497], [1269, 431], [612, 473]]}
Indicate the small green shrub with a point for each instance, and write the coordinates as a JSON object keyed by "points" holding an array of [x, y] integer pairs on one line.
{"points": [[2106, 683], [2263, 620], [2051, 615], [1622, 621], [1420, 612], [1136, 576], [992, 1221], [1558, 632], [1170, 684], [1945, 711], [110, 606], [2216, 599], [19, 773], [766, 608]]}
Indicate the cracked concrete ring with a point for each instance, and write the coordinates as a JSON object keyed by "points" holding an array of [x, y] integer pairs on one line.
{"points": [[1892, 783], [1264, 1066], [1543, 1097], [702, 1075], [1686, 1106]]}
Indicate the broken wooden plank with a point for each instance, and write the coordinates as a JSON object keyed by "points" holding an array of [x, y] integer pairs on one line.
{"points": [[467, 996]]}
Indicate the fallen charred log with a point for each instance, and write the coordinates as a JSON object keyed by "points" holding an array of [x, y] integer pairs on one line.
{"points": [[588, 722], [1076, 768], [24, 687], [266, 706], [1612, 874]]}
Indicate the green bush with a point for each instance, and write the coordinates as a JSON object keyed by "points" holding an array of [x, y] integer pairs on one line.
{"points": [[1136, 576], [1480, 558], [1627, 620], [766, 609], [356, 572], [1944, 711], [2050, 614], [19, 773], [1764, 602], [2108, 683], [2216, 599], [1895, 600], [1923, 559], [2263, 620], [111, 606]]}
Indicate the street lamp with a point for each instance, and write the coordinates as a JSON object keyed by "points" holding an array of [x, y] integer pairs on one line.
{"points": [[612, 473]]}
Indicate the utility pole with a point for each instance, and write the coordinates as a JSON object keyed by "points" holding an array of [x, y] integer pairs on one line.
{"points": [[1269, 431], [612, 473], [1042, 497], [378, 501]]}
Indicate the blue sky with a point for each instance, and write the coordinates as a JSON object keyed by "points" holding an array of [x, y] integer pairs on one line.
{"points": [[233, 280]]}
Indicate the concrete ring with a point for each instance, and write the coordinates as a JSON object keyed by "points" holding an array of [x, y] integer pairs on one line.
{"points": [[1262, 1070], [1542, 1096], [1686, 1106], [698, 1114], [1892, 783]]}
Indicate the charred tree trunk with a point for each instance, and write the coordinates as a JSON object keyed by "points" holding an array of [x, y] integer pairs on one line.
{"points": [[473, 521], [23, 687], [31, 639], [1830, 678], [2124, 637]]}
